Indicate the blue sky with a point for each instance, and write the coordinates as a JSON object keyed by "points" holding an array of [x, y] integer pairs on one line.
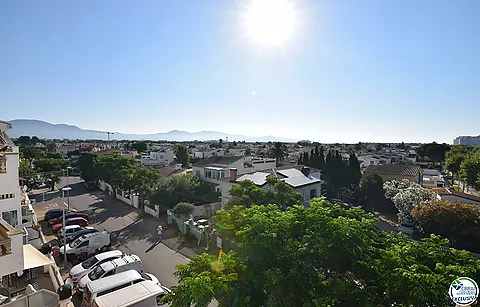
{"points": [[354, 70]]}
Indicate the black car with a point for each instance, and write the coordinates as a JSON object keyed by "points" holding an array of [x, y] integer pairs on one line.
{"points": [[73, 236], [55, 213]]}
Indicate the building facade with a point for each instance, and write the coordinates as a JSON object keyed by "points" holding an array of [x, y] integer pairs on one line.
{"points": [[467, 140], [10, 196]]}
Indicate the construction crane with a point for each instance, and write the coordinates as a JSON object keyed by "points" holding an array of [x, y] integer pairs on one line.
{"points": [[108, 136]]}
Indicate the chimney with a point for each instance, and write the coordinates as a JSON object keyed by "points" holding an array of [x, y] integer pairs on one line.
{"points": [[305, 170], [233, 174]]}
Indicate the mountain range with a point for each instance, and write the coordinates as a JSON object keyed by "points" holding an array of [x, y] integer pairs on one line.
{"points": [[45, 130]]}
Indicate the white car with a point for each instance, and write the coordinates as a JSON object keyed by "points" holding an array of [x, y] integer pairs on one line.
{"points": [[88, 265], [68, 230], [406, 228]]}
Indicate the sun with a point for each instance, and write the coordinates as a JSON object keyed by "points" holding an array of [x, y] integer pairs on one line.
{"points": [[271, 23]]}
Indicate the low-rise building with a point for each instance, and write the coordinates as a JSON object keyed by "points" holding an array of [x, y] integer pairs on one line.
{"points": [[216, 168], [451, 194], [158, 158], [397, 172], [432, 178], [303, 180], [64, 150]]}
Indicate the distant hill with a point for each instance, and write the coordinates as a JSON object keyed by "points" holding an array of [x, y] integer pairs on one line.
{"points": [[44, 130]]}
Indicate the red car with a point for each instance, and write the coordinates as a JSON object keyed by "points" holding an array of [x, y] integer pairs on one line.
{"points": [[67, 216], [72, 221]]}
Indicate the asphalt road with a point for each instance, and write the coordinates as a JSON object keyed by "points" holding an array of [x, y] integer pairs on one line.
{"points": [[130, 233]]}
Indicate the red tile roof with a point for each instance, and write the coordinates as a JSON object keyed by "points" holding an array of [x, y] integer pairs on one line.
{"points": [[394, 169]]}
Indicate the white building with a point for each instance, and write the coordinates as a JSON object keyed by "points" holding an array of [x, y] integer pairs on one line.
{"points": [[216, 168], [304, 181], [467, 140], [451, 194], [64, 150], [158, 158], [10, 196], [203, 154], [432, 178]]}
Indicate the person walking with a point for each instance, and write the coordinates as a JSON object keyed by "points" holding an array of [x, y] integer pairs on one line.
{"points": [[160, 232]]}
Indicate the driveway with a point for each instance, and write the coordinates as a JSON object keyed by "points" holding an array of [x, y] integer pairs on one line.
{"points": [[131, 233]]}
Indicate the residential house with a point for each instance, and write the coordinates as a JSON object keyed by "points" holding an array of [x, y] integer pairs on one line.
{"points": [[158, 158], [128, 153], [447, 193], [203, 154], [303, 180], [215, 168], [397, 172], [432, 178], [65, 149], [168, 171]]}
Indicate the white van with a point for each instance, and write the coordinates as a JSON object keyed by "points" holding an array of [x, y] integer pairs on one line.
{"points": [[88, 244], [144, 294], [126, 263], [88, 265], [113, 283]]}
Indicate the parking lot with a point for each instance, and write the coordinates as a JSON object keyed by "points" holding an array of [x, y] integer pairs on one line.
{"points": [[131, 233]]}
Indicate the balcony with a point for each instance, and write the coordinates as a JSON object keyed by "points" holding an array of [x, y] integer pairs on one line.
{"points": [[5, 245]]}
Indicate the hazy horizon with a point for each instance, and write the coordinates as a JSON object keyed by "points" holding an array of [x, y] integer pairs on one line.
{"points": [[333, 72]]}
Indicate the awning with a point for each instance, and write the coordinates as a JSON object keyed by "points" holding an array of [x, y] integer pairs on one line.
{"points": [[33, 258]]}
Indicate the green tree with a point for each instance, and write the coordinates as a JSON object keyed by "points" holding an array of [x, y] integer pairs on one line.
{"points": [[436, 152], [276, 192], [76, 152], [111, 168], [371, 192], [51, 168], [454, 159], [139, 146], [306, 159], [182, 155], [144, 182], [353, 170], [30, 153], [448, 219], [204, 278], [279, 152], [469, 170], [248, 151], [324, 255], [183, 208], [86, 164]]}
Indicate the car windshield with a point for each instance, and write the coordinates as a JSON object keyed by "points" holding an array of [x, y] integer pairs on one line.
{"points": [[97, 273], [76, 243], [89, 262], [145, 276]]}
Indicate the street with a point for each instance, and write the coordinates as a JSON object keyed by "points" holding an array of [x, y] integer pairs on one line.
{"points": [[130, 232]]}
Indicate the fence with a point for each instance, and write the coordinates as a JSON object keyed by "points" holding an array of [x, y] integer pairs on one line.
{"points": [[152, 211], [207, 210], [131, 200]]}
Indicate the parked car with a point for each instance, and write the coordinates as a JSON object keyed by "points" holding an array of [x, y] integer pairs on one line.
{"points": [[88, 265], [126, 263], [73, 236], [87, 245], [68, 230], [73, 221], [145, 293], [70, 215], [113, 283], [55, 213], [406, 228]]}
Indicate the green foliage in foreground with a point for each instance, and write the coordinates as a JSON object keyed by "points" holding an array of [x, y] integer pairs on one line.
{"points": [[324, 255]]}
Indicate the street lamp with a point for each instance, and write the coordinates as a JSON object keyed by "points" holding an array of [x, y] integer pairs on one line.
{"points": [[67, 189]]}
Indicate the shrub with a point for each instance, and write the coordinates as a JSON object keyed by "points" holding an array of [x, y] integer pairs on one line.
{"points": [[183, 208]]}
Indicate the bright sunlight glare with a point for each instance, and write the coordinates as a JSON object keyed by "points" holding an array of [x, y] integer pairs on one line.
{"points": [[271, 23]]}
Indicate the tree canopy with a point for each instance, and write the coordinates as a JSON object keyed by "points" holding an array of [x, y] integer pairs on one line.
{"points": [[371, 192], [436, 152], [182, 155], [276, 192], [324, 255]]}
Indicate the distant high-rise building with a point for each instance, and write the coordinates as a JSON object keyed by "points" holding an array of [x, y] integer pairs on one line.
{"points": [[467, 140]]}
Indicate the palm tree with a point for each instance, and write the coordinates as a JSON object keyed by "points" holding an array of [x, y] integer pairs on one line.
{"points": [[279, 152]]}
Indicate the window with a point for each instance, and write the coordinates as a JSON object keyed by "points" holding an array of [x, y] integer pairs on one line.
{"points": [[7, 196], [313, 193], [372, 162], [11, 217]]}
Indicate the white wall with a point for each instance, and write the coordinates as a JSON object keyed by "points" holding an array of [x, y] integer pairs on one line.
{"points": [[13, 262], [305, 191], [9, 184], [201, 211]]}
